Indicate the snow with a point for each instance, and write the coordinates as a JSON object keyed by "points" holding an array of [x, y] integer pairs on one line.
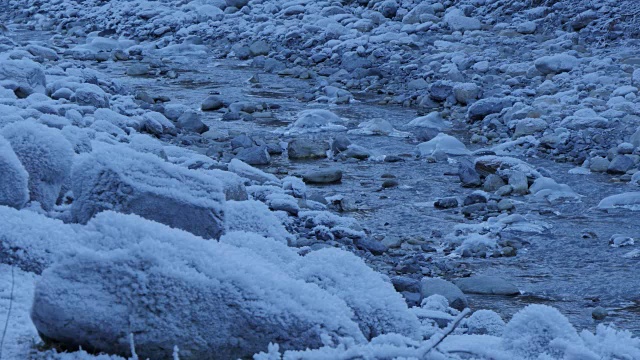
{"points": [[433, 120], [45, 154], [445, 143], [14, 179], [316, 120], [628, 200], [254, 216]]}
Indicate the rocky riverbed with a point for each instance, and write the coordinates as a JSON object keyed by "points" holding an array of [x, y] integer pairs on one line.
{"points": [[451, 140]]}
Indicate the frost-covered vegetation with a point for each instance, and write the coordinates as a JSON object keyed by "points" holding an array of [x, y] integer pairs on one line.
{"points": [[132, 226]]}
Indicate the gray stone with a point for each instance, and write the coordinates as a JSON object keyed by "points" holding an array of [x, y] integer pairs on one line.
{"points": [[302, 149], [599, 313], [370, 245], [453, 294], [138, 70], [256, 155], [237, 3], [440, 90], [212, 103], [519, 183], [506, 205], [466, 93], [119, 179], [555, 64], [241, 141], [504, 190], [405, 283], [469, 177], [446, 203], [324, 176], [389, 8], [356, 152], [191, 121], [492, 183], [486, 285], [527, 27], [599, 164], [484, 107], [92, 95], [259, 47], [340, 143], [620, 164], [529, 126]]}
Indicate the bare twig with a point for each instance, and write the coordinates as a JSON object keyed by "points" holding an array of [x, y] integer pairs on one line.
{"points": [[6, 323], [438, 338]]}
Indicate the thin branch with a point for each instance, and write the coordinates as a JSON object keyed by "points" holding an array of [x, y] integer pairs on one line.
{"points": [[438, 338], [6, 323]]}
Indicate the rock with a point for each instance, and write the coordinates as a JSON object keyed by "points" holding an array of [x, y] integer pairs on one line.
{"points": [[445, 143], [599, 313], [356, 152], [304, 149], [405, 283], [519, 183], [476, 197], [599, 164], [119, 179], [259, 47], [584, 118], [237, 3], [440, 90], [484, 107], [555, 64], [129, 286], [433, 120], [14, 179], [325, 176], [453, 294], [583, 19], [25, 76], [446, 203], [492, 183], [527, 27], [485, 322], [157, 124], [466, 93], [45, 154], [469, 177], [529, 126], [389, 183], [92, 95], [620, 164], [138, 70], [249, 172], [370, 245], [191, 121], [456, 20], [241, 141], [43, 52], [256, 155], [389, 8], [340, 143], [212, 103], [486, 285], [413, 16]]}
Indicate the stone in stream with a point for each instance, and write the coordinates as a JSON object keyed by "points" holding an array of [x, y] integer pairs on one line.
{"points": [[599, 164], [620, 164], [356, 152], [256, 155], [469, 177], [138, 70], [212, 103], [373, 246], [191, 121], [519, 183], [486, 285], [340, 143], [302, 149], [453, 294], [492, 183], [484, 107], [599, 313], [325, 176], [446, 203]]}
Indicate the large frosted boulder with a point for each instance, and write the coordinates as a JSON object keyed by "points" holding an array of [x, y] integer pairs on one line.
{"points": [[45, 154], [31, 241], [117, 178], [170, 288], [14, 179], [22, 76], [445, 143]]}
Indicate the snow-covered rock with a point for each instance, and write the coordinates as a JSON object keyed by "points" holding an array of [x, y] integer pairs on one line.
{"points": [[628, 200], [554, 64], [433, 120], [117, 178], [202, 296], [445, 143], [254, 216], [45, 154], [22, 76], [14, 179], [458, 22]]}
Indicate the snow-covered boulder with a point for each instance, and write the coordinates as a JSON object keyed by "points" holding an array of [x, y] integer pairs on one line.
{"points": [[14, 179], [210, 299], [445, 143], [251, 173], [22, 76], [378, 308], [315, 120], [458, 22], [45, 154], [117, 178], [628, 200], [433, 120], [532, 330], [254, 216], [31, 241]]}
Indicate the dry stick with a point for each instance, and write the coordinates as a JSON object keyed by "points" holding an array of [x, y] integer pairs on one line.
{"points": [[447, 331], [6, 323]]}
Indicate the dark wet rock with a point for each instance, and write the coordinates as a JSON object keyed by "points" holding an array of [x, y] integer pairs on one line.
{"points": [[475, 198], [340, 143], [599, 313], [356, 152], [484, 107], [256, 155], [191, 121], [469, 177], [620, 164], [212, 103], [446, 203], [486, 285], [325, 176], [390, 183], [368, 244], [432, 286], [405, 283], [492, 183], [241, 141], [301, 149]]}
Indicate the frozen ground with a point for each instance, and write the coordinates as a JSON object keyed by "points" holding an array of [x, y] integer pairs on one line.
{"points": [[492, 145]]}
